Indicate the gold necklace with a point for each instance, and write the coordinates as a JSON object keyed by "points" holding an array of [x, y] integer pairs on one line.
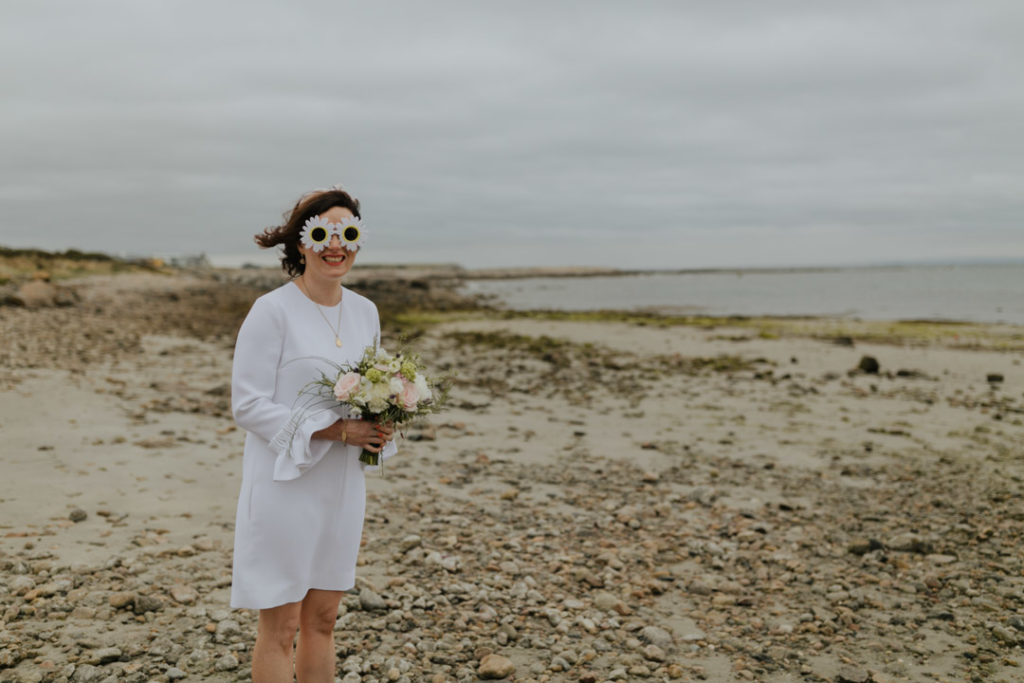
{"points": [[336, 330]]}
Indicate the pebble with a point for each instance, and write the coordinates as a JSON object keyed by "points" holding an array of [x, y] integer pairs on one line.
{"points": [[605, 601], [228, 662], [656, 636], [78, 515], [183, 594], [122, 599], [371, 601], [494, 667], [104, 655], [849, 674]]}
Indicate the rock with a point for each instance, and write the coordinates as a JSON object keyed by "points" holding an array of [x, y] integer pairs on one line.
{"points": [[371, 602], [656, 635], [862, 546], [148, 603], [1016, 622], [994, 378], [605, 601], [21, 584], [910, 543], [868, 365], [493, 667], [78, 515], [86, 673], [227, 630], [174, 674], [850, 674], [654, 653], [183, 594], [843, 341], [226, 663], [104, 655], [122, 599], [941, 559], [37, 294], [1004, 635], [409, 542]]}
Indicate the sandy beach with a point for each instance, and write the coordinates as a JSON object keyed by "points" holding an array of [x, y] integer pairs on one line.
{"points": [[607, 498]]}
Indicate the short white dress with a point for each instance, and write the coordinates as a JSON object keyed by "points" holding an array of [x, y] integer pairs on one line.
{"points": [[300, 510]]}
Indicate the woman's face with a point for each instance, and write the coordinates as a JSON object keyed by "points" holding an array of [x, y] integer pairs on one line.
{"points": [[334, 260]]}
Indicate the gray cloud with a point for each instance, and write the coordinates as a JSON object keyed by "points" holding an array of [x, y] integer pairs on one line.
{"points": [[661, 135]]}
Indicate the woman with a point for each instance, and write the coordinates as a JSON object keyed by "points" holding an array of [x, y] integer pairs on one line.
{"points": [[300, 511]]}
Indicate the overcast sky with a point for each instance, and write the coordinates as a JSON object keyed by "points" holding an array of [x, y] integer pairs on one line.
{"points": [[675, 134]]}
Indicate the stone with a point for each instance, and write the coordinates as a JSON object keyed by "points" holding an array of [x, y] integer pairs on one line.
{"points": [[655, 635], [862, 546], [1005, 635], [183, 594], [850, 674], [227, 630], [654, 653], [409, 542], [21, 584], [148, 603], [494, 667], [104, 655], [869, 365], [78, 515], [910, 543], [994, 378], [605, 601], [371, 601], [175, 674], [228, 662], [122, 599], [87, 673]]}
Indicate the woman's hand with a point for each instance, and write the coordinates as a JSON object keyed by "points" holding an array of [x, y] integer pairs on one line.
{"points": [[362, 433]]}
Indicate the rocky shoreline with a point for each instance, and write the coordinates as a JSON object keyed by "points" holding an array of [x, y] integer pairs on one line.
{"points": [[604, 501]]}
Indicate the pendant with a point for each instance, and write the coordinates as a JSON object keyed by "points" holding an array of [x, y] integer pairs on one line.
{"points": [[337, 342]]}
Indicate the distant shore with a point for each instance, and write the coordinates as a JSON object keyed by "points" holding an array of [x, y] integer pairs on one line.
{"points": [[22, 263]]}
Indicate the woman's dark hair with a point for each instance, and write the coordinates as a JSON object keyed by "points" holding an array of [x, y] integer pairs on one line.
{"points": [[287, 234]]}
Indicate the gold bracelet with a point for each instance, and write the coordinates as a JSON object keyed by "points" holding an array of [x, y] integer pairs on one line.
{"points": [[344, 433]]}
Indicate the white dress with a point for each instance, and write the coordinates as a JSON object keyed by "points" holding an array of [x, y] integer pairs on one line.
{"points": [[302, 501]]}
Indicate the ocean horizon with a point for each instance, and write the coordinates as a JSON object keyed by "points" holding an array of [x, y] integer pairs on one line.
{"points": [[986, 293]]}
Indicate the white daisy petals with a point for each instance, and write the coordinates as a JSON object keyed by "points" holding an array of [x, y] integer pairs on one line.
{"points": [[317, 233]]}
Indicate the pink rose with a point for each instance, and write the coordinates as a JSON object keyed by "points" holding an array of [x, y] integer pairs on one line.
{"points": [[346, 386], [410, 396]]}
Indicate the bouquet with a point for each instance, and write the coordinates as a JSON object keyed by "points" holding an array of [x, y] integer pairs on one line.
{"points": [[381, 387]]}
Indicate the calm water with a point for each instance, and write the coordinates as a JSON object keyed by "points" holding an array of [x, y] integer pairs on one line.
{"points": [[971, 293]]}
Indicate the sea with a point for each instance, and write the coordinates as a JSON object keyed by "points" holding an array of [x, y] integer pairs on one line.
{"points": [[969, 293]]}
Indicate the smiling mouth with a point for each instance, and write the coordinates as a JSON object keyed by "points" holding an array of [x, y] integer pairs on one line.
{"points": [[335, 259]]}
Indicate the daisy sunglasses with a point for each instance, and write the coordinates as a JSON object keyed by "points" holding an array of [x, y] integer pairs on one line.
{"points": [[317, 233]]}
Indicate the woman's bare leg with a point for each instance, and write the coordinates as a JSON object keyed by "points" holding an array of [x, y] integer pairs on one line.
{"points": [[314, 656], [275, 635]]}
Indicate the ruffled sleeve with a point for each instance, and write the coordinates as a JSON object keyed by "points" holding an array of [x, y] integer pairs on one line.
{"points": [[253, 384]]}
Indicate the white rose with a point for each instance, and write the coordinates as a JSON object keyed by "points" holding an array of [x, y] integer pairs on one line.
{"points": [[422, 388]]}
